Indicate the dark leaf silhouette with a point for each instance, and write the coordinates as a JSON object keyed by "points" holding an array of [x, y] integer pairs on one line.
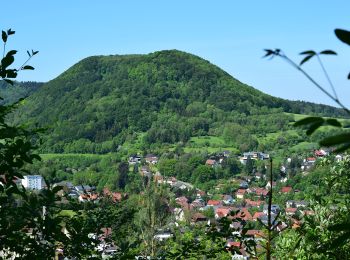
{"points": [[13, 52], [305, 59], [7, 61], [341, 240], [27, 67], [336, 139], [308, 53], [10, 32], [268, 53], [333, 122], [313, 127], [308, 120], [344, 226], [4, 36], [328, 52], [342, 148], [343, 35]]}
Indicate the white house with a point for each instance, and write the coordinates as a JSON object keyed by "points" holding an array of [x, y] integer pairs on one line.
{"points": [[33, 182]]}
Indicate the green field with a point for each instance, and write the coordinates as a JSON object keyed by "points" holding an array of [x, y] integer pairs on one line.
{"points": [[304, 146], [50, 156], [210, 144], [270, 137]]}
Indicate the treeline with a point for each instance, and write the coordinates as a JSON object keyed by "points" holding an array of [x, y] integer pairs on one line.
{"points": [[98, 170]]}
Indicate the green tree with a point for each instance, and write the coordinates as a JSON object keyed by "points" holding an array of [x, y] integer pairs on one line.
{"points": [[123, 170], [152, 216], [167, 167]]}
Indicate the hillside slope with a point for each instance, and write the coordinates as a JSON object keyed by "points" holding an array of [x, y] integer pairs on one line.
{"points": [[99, 102], [12, 93]]}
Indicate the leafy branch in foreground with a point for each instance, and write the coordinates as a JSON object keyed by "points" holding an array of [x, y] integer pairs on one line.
{"points": [[16, 147], [340, 228], [342, 141], [6, 73]]}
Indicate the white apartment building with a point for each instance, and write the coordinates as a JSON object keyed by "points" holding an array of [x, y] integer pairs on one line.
{"points": [[33, 182]]}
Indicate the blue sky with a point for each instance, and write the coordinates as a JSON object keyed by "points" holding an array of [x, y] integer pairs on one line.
{"points": [[230, 34]]}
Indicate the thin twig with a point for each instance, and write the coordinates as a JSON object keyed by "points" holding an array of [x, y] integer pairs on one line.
{"points": [[21, 67], [314, 82], [269, 225], [327, 76]]}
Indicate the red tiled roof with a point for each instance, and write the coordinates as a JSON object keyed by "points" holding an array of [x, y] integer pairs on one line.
{"points": [[198, 217], [234, 244], [243, 214], [261, 191], [286, 189], [117, 196], [254, 203], [210, 162], [89, 196], [258, 215], [223, 211], [213, 202]]}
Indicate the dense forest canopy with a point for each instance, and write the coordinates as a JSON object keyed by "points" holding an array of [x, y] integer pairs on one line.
{"points": [[169, 95], [12, 93]]}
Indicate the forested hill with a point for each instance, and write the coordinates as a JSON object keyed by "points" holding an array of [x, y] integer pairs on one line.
{"points": [[170, 95], [12, 93]]}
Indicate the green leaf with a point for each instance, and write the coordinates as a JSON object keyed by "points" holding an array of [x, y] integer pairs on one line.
{"points": [[4, 36], [10, 32], [313, 127], [345, 226], [34, 52], [270, 52], [333, 122], [308, 53], [27, 67], [13, 52], [11, 74], [341, 240], [308, 120], [7, 61], [305, 59], [343, 35], [343, 138], [342, 148], [328, 52], [29, 54]]}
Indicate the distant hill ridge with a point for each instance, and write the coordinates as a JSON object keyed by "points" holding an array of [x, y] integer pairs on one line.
{"points": [[12, 93], [170, 95]]}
